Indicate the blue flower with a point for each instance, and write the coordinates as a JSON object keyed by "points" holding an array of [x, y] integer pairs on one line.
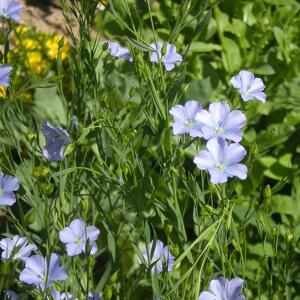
{"points": [[10, 295], [8, 185], [116, 50], [4, 74], [61, 296], [56, 139], [219, 121], [10, 9], [76, 236], [224, 289], [184, 119], [160, 257], [169, 59], [40, 273], [222, 160], [248, 86], [16, 247]]}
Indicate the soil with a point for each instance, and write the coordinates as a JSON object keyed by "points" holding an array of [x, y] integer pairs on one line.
{"points": [[45, 15]]}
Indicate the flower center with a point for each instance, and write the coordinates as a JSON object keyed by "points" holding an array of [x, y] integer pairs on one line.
{"points": [[189, 124], [220, 166], [219, 128], [1, 192]]}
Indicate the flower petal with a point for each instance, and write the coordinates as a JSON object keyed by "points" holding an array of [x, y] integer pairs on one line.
{"points": [[238, 170], [235, 153], [204, 160], [10, 184]]}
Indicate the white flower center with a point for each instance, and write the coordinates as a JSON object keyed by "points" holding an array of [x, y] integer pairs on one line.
{"points": [[221, 167], [219, 129], [188, 124]]}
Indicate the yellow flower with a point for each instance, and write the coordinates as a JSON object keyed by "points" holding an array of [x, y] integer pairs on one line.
{"points": [[52, 45], [30, 44], [34, 61], [22, 29], [2, 91]]}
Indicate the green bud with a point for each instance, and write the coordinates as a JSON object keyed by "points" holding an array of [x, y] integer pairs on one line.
{"points": [[108, 293], [175, 171], [47, 188], [31, 136], [174, 250], [69, 149], [169, 228], [30, 217], [104, 46], [85, 204], [132, 92], [61, 42], [113, 278], [254, 150], [267, 194]]}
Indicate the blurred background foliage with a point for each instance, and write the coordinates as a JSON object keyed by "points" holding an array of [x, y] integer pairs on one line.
{"points": [[127, 174]]}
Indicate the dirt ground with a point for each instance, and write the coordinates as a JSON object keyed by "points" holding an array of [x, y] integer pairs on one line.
{"points": [[45, 15]]}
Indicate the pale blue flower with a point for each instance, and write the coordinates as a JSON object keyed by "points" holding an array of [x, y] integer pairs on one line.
{"points": [[56, 139], [248, 86], [61, 296], [184, 119], [16, 247], [40, 273], [10, 9], [93, 296], [169, 59], [219, 121], [224, 289], [10, 295], [160, 260], [116, 50], [8, 185], [67, 296], [222, 160], [4, 74], [76, 236]]}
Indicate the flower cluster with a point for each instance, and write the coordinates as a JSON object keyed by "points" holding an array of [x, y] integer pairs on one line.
{"points": [[158, 257], [41, 272], [169, 57], [217, 125]]}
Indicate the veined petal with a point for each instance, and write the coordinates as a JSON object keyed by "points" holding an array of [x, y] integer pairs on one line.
{"points": [[78, 227], [192, 107], [235, 119], [73, 249], [217, 176], [207, 296], [257, 86], [92, 233], [235, 153], [218, 149], [179, 128], [204, 160], [8, 199], [247, 78], [66, 235], [219, 111], [238, 170], [218, 286], [179, 114], [235, 287], [10, 184], [205, 118]]}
